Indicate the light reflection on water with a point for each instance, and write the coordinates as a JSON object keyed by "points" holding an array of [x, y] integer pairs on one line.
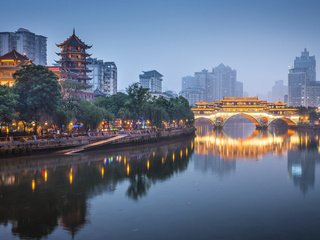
{"points": [[220, 185]]}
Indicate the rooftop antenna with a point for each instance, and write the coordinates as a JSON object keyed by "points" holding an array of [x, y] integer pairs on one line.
{"points": [[74, 31]]}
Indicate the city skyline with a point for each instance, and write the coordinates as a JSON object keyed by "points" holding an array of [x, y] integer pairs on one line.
{"points": [[181, 37]]}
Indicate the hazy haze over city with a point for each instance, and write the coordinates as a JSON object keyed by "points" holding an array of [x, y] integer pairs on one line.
{"points": [[259, 39]]}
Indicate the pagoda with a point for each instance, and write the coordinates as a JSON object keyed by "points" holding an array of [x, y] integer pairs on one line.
{"points": [[73, 62], [9, 64]]}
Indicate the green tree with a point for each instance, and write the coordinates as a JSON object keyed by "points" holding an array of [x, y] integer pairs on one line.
{"points": [[90, 115], [8, 102], [138, 98], [113, 104], [38, 91]]}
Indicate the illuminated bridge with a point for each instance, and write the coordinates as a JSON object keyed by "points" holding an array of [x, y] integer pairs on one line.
{"points": [[260, 112]]}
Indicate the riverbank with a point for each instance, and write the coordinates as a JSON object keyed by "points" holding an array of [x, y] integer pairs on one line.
{"points": [[14, 148]]}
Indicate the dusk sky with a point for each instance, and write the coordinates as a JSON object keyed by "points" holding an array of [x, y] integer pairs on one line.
{"points": [[259, 39]]}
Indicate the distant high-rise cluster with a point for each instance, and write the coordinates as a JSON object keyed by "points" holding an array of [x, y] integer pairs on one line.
{"points": [[303, 89], [210, 86], [26, 43]]}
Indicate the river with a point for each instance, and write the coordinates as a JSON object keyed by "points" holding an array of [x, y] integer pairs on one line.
{"points": [[239, 183]]}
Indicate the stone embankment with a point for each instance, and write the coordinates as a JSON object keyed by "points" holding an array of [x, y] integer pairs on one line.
{"points": [[17, 147], [154, 136], [8, 148]]}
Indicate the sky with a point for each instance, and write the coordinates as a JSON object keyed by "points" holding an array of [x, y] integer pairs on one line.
{"points": [[258, 38]]}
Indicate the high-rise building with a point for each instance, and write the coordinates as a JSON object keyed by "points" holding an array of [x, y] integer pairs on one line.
{"points": [[296, 81], [103, 76], [311, 94], [207, 81], [189, 82], [301, 78], [110, 79], [25, 42], [96, 73], [151, 80], [225, 81], [306, 63]]}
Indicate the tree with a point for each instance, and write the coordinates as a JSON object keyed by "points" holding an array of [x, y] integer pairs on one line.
{"points": [[38, 91], [8, 102], [113, 104], [138, 98], [90, 115]]}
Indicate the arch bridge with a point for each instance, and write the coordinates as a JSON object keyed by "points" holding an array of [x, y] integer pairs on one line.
{"points": [[260, 112]]}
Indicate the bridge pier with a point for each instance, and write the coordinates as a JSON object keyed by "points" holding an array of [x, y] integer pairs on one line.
{"points": [[261, 127]]}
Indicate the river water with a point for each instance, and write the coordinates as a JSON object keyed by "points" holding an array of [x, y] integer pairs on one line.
{"points": [[238, 183]]}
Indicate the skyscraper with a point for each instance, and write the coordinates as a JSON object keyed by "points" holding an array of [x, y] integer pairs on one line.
{"points": [[206, 81], [25, 42], [226, 79], [306, 63], [300, 79], [151, 80]]}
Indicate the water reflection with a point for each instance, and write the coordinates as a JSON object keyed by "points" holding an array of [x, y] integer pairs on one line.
{"points": [[218, 150], [39, 194], [42, 194]]}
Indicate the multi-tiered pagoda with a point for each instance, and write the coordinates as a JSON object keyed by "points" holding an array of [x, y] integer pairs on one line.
{"points": [[73, 62]]}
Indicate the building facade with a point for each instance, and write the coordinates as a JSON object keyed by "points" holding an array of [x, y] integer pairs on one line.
{"points": [[302, 82], [151, 80], [311, 94], [9, 64], [96, 73], [25, 42], [103, 76], [109, 84]]}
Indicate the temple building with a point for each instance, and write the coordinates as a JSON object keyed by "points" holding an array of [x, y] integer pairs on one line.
{"points": [[9, 64], [73, 63]]}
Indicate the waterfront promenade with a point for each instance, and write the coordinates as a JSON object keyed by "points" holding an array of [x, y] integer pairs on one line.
{"points": [[90, 141]]}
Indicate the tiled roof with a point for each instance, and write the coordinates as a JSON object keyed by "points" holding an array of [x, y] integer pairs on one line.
{"points": [[74, 40], [14, 55]]}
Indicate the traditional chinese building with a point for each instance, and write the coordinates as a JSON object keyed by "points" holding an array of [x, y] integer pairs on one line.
{"points": [[9, 64], [245, 104], [73, 63]]}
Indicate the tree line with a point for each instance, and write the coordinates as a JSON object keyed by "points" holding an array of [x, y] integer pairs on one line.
{"points": [[38, 98]]}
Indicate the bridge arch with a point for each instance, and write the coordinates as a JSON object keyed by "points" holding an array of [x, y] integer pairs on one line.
{"points": [[288, 121], [246, 115], [208, 119]]}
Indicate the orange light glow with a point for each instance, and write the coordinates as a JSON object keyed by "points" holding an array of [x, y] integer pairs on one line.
{"points": [[33, 185]]}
